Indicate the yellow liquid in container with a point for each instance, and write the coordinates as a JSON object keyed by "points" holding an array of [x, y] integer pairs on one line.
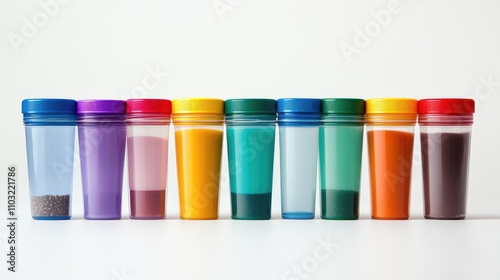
{"points": [[198, 154]]}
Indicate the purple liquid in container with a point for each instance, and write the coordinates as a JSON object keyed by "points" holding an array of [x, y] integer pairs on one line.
{"points": [[102, 137]]}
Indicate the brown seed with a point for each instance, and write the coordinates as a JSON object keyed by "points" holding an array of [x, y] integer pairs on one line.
{"points": [[50, 205]]}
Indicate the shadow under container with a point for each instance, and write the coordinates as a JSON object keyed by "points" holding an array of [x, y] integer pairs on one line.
{"points": [[102, 137], [148, 122], [50, 140], [390, 124], [199, 125], [251, 129], [299, 121], [340, 150], [445, 136]]}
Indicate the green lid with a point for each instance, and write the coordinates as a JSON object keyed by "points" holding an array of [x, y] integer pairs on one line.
{"points": [[343, 106], [250, 106]]}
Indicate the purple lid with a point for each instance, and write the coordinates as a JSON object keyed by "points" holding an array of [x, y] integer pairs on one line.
{"points": [[100, 106]]}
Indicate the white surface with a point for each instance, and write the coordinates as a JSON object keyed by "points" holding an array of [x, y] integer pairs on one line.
{"points": [[284, 48]]}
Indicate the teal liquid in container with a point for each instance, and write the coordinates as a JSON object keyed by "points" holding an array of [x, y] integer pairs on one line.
{"points": [[340, 146], [251, 128]]}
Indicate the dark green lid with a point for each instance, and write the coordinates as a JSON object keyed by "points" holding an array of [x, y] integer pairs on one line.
{"points": [[250, 106], [343, 106]]}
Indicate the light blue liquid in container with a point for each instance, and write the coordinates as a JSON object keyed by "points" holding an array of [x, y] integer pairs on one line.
{"points": [[298, 120], [50, 152], [298, 159]]}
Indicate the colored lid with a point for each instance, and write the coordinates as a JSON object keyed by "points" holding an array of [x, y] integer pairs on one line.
{"points": [[250, 106], [450, 106], [198, 105], [48, 106], [156, 106], [391, 105], [100, 106], [343, 106], [299, 105]]}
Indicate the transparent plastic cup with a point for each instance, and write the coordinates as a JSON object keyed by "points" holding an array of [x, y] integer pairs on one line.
{"points": [[148, 122], [299, 121], [199, 127], [445, 137], [50, 137], [390, 125], [251, 129], [340, 150], [102, 136]]}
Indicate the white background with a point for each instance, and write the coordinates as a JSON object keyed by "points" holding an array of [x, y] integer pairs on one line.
{"points": [[258, 48]]}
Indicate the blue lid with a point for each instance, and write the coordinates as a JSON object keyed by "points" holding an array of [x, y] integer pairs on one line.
{"points": [[48, 106], [299, 111], [299, 105]]}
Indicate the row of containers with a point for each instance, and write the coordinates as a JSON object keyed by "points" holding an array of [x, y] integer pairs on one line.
{"points": [[311, 131]]}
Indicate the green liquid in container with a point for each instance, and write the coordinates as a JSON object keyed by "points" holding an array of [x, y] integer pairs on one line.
{"points": [[340, 168]]}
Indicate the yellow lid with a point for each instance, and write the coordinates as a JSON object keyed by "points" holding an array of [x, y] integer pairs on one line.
{"points": [[198, 105], [391, 105]]}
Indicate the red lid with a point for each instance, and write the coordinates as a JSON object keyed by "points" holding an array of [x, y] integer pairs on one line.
{"points": [[155, 106], [447, 106]]}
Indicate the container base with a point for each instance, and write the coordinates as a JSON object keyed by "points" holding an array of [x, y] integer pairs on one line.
{"points": [[102, 218], [445, 218], [298, 215], [250, 218], [350, 218], [200, 219], [390, 218], [148, 218], [49, 218]]}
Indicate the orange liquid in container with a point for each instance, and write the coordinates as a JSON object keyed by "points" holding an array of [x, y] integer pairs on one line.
{"points": [[390, 155]]}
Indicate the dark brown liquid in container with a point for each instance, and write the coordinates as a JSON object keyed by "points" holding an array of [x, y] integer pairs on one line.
{"points": [[445, 159]]}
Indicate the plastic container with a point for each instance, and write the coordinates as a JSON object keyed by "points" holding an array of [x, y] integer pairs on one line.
{"points": [[102, 136], [299, 121], [390, 124], [251, 129], [50, 140], [198, 124], [148, 122], [340, 150], [445, 135]]}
